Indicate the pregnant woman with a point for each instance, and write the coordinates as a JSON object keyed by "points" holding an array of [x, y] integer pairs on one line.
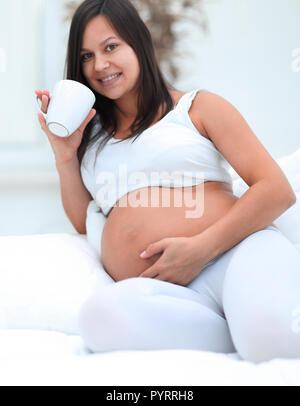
{"points": [[216, 274]]}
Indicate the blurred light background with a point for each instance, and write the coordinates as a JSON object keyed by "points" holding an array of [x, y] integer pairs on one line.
{"points": [[250, 55]]}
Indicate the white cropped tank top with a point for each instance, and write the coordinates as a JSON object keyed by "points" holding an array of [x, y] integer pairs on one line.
{"points": [[171, 153]]}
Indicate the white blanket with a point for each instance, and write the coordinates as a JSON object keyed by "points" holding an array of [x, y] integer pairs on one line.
{"points": [[45, 278], [29, 357]]}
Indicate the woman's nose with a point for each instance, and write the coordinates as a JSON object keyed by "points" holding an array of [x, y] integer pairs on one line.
{"points": [[101, 64]]}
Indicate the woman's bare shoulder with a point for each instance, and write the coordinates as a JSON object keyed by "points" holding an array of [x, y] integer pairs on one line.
{"points": [[193, 112], [196, 113]]}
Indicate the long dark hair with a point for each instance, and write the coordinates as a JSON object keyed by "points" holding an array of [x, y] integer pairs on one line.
{"points": [[153, 89]]}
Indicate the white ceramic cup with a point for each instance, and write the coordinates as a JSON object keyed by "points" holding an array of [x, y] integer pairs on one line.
{"points": [[69, 106]]}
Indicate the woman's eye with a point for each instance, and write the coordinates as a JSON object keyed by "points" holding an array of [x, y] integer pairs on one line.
{"points": [[83, 58], [112, 45]]}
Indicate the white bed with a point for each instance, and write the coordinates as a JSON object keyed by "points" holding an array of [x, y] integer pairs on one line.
{"points": [[45, 278]]}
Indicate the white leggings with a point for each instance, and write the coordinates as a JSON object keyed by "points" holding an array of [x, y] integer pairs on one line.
{"points": [[246, 300]]}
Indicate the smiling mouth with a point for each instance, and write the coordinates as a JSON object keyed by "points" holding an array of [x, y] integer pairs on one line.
{"points": [[112, 79]]}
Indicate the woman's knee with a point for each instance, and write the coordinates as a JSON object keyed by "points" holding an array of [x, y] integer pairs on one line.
{"points": [[114, 313], [260, 295]]}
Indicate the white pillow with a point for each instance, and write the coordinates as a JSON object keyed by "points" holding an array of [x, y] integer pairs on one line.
{"points": [[289, 222], [45, 278], [95, 221]]}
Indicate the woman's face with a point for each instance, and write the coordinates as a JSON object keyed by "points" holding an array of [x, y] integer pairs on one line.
{"points": [[103, 56]]}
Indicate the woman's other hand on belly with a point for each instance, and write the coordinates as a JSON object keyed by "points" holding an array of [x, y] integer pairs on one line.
{"points": [[181, 260]]}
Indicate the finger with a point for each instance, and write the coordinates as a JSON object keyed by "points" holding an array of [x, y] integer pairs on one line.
{"points": [[160, 278], [154, 248], [47, 93], [42, 122], [149, 276], [38, 94], [41, 119], [149, 273], [44, 103]]}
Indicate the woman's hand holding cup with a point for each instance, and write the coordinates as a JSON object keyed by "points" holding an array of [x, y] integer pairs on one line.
{"points": [[64, 116], [64, 148]]}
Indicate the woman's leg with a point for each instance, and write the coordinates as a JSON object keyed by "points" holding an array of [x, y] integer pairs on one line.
{"points": [[148, 314], [261, 297], [255, 285]]}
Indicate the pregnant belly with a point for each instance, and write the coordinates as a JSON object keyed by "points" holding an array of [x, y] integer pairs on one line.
{"points": [[164, 212]]}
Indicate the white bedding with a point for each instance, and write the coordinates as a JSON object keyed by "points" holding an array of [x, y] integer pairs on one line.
{"points": [[29, 357], [45, 278]]}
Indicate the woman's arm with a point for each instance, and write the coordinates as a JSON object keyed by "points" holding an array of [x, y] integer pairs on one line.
{"points": [[75, 197], [255, 210], [269, 194]]}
